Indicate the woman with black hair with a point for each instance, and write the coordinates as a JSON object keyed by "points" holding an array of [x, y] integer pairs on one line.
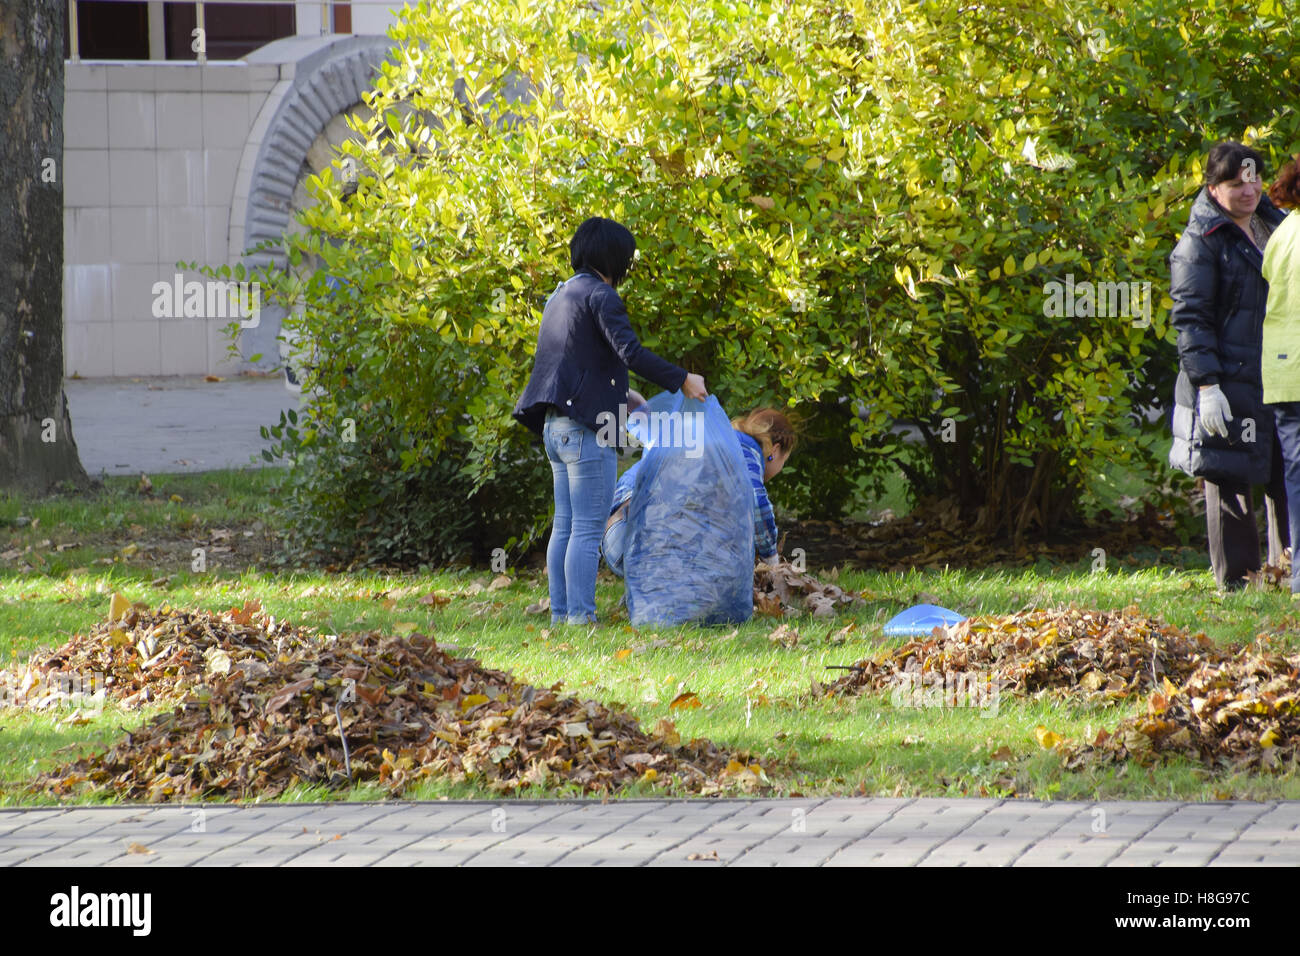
{"points": [[1223, 431], [584, 342]]}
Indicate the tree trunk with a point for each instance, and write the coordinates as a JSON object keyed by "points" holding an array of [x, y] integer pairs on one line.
{"points": [[36, 444]]}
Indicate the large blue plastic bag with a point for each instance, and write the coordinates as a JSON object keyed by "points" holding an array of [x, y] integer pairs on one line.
{"points": [[690, 523]]}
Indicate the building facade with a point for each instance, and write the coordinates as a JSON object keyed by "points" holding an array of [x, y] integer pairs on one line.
{"points": [[183, 156]]}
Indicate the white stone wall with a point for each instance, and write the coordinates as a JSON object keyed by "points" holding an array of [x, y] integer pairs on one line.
{"points": [[151, 155], [374, 16]]}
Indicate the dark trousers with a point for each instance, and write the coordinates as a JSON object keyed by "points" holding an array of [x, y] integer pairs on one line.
{"points": [[1230, 524], [1287, 416]]}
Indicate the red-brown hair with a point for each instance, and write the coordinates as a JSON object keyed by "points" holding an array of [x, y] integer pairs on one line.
{"points": [[1285, 191], [769, 427]]}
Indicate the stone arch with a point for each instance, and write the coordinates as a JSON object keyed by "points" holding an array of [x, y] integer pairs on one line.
{"points": [[326, 78]]}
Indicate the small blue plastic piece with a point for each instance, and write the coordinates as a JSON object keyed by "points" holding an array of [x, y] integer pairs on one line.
{"points": [[920, 620]]}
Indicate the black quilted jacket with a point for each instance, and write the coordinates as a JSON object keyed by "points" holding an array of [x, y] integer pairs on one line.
{"points": [[1219, 297]]}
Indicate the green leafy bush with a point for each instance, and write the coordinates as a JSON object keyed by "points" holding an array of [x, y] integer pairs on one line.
{"points": [[854, 208]]}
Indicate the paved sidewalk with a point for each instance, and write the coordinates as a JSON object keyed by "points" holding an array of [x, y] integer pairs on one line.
{"points": [[124, 426], [793, 832]]}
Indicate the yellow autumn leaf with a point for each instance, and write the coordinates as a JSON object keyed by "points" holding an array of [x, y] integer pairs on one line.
{"points": [[117, 607], [666, 731], [473, 700], [1269, 738], [1046, 739], [650, 776], [619, 655], [688, 701]]}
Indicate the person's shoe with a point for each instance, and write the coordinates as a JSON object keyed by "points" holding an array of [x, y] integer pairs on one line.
{"points": [[1236, 584]]}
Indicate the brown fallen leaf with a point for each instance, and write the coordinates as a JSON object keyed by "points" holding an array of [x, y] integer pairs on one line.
{"points": [[685, 701], [139, 848], [785, 636], [288, 693], [712, 855]]}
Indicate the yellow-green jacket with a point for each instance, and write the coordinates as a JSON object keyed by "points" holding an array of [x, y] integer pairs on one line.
{"points": [[1280, 361]]}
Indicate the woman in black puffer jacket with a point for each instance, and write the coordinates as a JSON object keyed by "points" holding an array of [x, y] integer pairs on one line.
{"points": [[1223, 431]]}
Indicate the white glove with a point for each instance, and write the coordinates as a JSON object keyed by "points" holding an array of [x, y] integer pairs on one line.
{"points": [[1214, 410]]}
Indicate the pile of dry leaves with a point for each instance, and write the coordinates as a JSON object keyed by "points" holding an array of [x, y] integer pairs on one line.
{"points": [[1111, 654], [265, 706], [138, 655], [1238, 714], [781, 590]]}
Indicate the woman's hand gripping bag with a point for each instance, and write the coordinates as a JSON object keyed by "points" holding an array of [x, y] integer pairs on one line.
{"points": [[690, 537]]}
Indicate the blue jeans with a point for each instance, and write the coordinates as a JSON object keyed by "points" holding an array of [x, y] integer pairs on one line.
{"points": [[1286, 415], [614, 545], [584, 473]]}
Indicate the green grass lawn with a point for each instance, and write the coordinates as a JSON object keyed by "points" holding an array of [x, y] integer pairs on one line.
{"points": [[753, 691]]}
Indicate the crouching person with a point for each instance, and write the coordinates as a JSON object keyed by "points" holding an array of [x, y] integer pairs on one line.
{"points": [[766, 440]]}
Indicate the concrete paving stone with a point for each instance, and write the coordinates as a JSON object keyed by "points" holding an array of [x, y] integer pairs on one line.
{"points": [[1284, 818], [905, 852], [1191, 821], [343, 858], [1256, 857], [727, 850], [11, 820], [1091, 850], [936, 828], [1254, 852], [967, 850], [586, 858], [430, 864], [1172, 854], [802, 853], [1013, 825], [500, 856]]}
